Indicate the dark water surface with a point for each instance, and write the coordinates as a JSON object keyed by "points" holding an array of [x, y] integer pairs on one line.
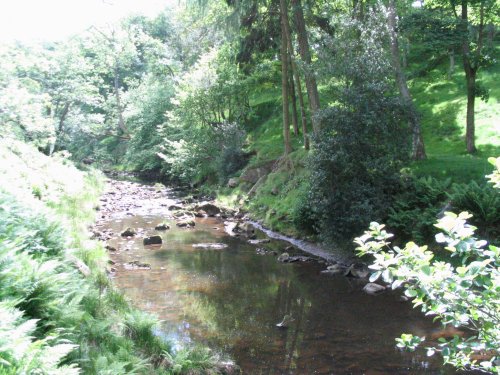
{"points": [[231, 299]]}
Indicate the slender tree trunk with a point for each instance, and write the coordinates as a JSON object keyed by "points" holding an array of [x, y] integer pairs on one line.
{"points": [[60, 127], [471, 100], [418, 149], [284, 80], [298, 86], [470, 76], [305, 54], [119, 108], [295, 120], [451, 69]]}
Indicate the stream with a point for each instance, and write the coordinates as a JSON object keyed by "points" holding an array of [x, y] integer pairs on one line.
{"points": [[231, 298]]}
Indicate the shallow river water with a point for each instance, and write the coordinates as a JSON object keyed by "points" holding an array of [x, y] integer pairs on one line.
{"points": [[232, 299]]}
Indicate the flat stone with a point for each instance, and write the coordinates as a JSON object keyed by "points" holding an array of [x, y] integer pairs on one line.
{"points": [[258, 242], [214, 246], [136, 265]]}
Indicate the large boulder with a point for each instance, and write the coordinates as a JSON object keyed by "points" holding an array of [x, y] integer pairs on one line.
{"points": [[210, 208], [252, 175]]}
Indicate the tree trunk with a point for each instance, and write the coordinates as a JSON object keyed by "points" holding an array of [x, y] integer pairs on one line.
{"points": [[121, 121], [305, 54], [471, 99], [451, 69], [418, 149], [295, 121], [298, 86], [470, 77], [60, 127], [284, 80]]}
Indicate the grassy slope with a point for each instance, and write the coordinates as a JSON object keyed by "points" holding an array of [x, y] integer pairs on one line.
{"points": [[442, 105]]}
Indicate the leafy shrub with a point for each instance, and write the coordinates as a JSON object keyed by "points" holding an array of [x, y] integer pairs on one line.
{"points": [[482, 201], [416, 207], [465, 296], [364, 139]]}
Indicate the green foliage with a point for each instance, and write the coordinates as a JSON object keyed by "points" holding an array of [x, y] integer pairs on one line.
{"points": [[482, 201], [464, 296], [204, 134], [52, 318], [196, 361], [417, 206], [363, 140], [20, 354]]}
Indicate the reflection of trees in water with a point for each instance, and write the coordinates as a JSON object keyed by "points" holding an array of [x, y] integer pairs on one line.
{"points": [[233, 299]]}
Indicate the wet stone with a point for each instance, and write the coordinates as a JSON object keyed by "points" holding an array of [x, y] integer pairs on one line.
{"points": [[373, 289], [136, 265], [129, 232], [152, 240], [162, 226], [214, 246]]}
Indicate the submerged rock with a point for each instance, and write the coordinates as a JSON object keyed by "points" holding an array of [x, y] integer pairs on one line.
{"points": [[334, 269], [110, 248], [215, 245], [152, 240], [136, 265], [358, 270], [186, 223], [258, 242], [373, 289], [129, 232]]}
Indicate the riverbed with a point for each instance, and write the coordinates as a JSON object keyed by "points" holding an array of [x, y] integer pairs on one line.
{"points": [[232, 298]]}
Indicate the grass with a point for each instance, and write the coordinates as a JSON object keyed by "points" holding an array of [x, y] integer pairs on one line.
{"points": [[442, 105]]}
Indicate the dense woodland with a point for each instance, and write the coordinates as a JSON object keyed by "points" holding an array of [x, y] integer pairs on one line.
{"points": [[315, 117]]}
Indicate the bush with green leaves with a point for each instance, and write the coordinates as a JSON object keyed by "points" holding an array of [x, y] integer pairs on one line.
{"points": [[483, 202], [364, 140], [465, 294], [416, 207]]}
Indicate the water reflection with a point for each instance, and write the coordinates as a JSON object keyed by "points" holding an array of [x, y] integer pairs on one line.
{"points": [[233, 298]]}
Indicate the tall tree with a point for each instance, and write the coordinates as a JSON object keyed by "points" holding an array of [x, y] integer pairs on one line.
{"points": [[296, 77], [284, 78], [418, 149], [305, 54]]}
